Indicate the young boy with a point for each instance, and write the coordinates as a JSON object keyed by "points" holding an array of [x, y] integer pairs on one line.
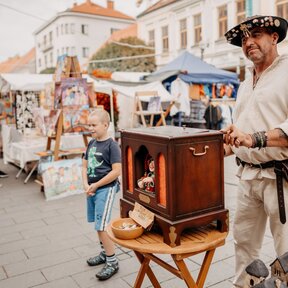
{"points": [[101, 169]]}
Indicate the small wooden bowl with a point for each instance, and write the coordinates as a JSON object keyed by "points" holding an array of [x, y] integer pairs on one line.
{"points": [[126, 234]]}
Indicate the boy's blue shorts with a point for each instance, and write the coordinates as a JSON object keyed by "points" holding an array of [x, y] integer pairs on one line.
{"points": [[99, 206]]}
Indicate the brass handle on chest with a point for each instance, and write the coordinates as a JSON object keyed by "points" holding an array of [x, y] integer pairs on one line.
{"points": [[206, 147]]}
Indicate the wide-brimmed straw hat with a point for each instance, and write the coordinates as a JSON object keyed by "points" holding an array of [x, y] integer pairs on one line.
{"points": [[275, 24]]}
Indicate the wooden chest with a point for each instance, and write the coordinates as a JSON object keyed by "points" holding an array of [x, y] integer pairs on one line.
{"points": [[188, 187]]}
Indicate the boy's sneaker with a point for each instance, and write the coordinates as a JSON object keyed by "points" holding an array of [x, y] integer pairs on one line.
{"points": [[97, 260], [108, 271]]}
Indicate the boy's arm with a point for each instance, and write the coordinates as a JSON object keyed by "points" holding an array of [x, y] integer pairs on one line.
{"points": [[84, 174], [110, 177]]}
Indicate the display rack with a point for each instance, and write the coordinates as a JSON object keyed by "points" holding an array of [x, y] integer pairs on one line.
{"points": [[154, 107]]}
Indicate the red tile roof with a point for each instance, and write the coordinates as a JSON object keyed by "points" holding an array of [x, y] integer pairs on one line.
{"points": [[17, 62], [90, 8], [157, 6]]}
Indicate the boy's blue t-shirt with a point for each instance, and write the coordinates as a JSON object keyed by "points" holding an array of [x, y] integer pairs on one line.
{"points": [[100, 156]]}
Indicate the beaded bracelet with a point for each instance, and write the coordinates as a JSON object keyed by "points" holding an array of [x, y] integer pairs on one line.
{"points": [[259, 139]]}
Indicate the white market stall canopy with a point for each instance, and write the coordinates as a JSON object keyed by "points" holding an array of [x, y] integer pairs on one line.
{"points": [[126, 97], [24, 82]]}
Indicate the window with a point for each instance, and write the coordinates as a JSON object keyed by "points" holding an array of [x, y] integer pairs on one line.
{"points": [[67, 50], [197, 29], [240, 10], [45, 41], [151, 38], [222, 20], [58, 53], [282, 8], [62, 50], [112, 30], [62, 31], [45, 58], [73, 51], [84, 29], [66, 29], [39, 62], [50, 37], [57, 31], [165, 39], [51, 59], [85, 52], [72, 28], [183, 34]]}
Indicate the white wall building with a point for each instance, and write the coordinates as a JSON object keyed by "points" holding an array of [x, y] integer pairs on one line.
{"points": [[198, 26], [78, 31]]}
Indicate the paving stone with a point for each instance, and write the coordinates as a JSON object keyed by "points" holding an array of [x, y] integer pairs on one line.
{"points": [[33, 225], [2, 274], [6, 222], [65, 269], [13, 257], [68, 282], [24, 281], [54, 246], [7, 238], [58, 219], [22, 244], [40, 262]]}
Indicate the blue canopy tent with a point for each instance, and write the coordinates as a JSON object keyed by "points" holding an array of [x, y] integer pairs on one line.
{"points": [[192, 69]]}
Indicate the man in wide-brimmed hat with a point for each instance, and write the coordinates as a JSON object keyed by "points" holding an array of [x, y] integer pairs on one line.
{"points": [[258, 138]]}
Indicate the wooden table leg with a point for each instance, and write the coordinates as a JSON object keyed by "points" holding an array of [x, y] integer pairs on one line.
{"points": [[204, 268], [145, 269], [186, 276]]}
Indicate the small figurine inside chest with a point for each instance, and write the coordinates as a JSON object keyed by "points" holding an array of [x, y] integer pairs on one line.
{"points": [[175, 172]]}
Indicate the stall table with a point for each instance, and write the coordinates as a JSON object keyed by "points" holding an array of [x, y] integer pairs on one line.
{"points": [[193, 241]]}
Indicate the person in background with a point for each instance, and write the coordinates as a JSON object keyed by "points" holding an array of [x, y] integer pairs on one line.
{"points": [[258, 138], [100, 172], [2, 121]]}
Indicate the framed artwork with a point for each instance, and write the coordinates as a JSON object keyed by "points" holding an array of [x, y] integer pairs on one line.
{"points": [[62, 178], [75, 119], [74, 92], [25, 103], [60, 67], [46, 121], [154, 104]]}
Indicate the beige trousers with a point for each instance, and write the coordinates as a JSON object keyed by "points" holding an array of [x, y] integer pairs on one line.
{"points": [[257, 201]]}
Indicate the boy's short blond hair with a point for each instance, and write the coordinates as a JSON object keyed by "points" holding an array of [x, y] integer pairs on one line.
{"points": [[102, 115]]}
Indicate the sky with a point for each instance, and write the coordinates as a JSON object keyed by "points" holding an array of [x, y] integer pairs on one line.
{"points": [[20, 18]]}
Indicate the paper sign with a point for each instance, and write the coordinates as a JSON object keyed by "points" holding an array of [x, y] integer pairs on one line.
{"points": [[142, 215]]}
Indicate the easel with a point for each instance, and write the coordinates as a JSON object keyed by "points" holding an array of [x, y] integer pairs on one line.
{"points": [[139, 111], [71, 68]]}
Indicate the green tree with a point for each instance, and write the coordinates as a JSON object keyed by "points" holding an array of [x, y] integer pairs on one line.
{"points": [[114, 50], [50, 70]]}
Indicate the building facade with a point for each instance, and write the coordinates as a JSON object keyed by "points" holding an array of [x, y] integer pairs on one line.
{"points": [[198, 26], [78, 31]]}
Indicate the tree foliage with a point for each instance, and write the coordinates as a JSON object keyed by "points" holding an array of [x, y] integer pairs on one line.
{"points": [[113, 50], [50, 70]]}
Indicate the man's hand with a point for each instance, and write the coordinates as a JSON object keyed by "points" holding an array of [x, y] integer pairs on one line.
{"points": [[233, 136]]}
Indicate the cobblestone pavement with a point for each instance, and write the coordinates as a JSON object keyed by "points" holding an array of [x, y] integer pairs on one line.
{"points": [[45, 244]]}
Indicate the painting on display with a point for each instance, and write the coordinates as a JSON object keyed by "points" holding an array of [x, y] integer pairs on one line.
{"points": [[74, 92], [60, 67], [62, 178], [25, 104], [46, 121], [75, 120]]}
